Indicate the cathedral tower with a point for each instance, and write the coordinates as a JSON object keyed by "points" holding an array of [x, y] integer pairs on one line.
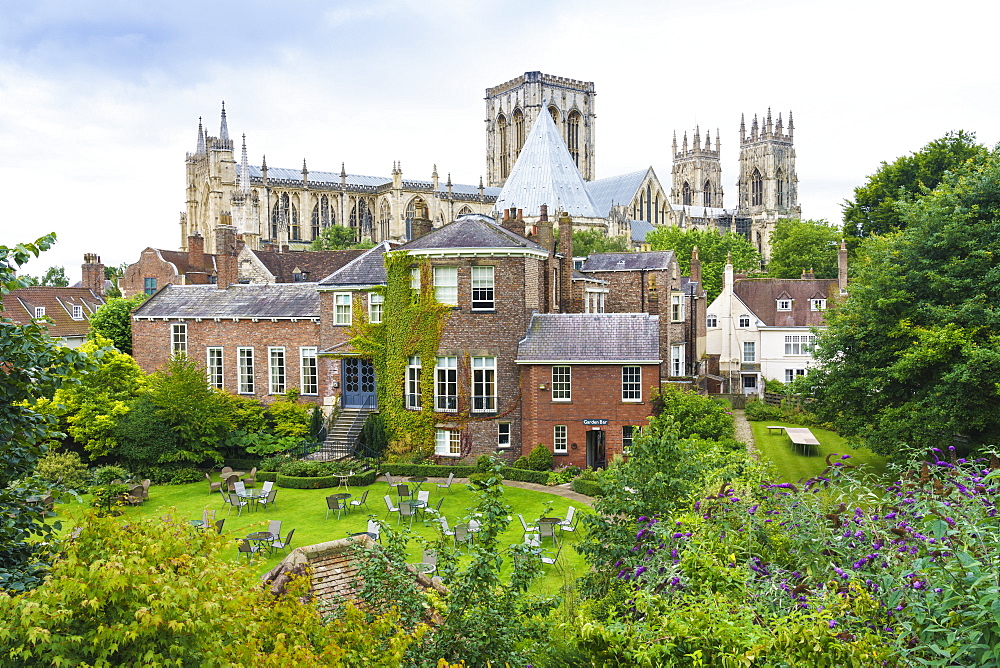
{"points": [[697, 173], [511, 110], [768, 185], [211, 179]]}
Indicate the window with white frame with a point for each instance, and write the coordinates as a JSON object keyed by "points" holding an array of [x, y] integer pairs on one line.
{"points": [[817, 304], [179, 338], [39, 311], [791, 374], [482, 288], [415, 278], [594, 301], [749, 351], [276, 370], [308, 371], [446, 384], [799, 344], [677, 360], [561, 383], [375, 302], [503, 435], [484, 384], [744, 321], [628, 431], [784, 304], [342, 308], [711, 321], [448, 443], [413, 370], [244, 358], [77, 312], [631, 383], [676, 307], [214, 366], [559, 439], [446, 285]]}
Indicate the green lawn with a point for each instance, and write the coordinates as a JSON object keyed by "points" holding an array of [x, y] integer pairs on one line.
{"points": [[792, 465], [305, 511]]}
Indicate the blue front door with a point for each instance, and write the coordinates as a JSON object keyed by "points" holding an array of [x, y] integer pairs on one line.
{"points": [[359, 383]]}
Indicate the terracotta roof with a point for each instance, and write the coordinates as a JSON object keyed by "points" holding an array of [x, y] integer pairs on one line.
{"points": [[316, 264], [593, 337], [253, 300], [761, 296], [19, 305]]}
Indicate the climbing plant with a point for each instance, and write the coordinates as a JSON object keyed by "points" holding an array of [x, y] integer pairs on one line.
{"points": [[412, 324]]}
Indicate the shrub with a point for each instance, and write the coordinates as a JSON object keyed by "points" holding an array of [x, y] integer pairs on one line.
{"points": [[267, 476], [63, 469], [537, 477], [300, 469], [273, 463], [563, 475], [306, 482], [757, 410], [183, 476], [374, 438], [540, 459], [287, 417], [521, 463], [105, 474], [586, 487]]}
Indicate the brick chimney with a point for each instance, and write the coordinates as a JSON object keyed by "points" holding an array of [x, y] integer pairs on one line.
{"points": [[513, 221], [196, 251], [842, 268], [652, 297], [225, 256], [808, 274], [546, 237], [695, 272], [566, 266], [421, 224], [93, 274]]}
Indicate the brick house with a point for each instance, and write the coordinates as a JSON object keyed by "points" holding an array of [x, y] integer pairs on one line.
{"points": [[157, 267], [587, 381]]}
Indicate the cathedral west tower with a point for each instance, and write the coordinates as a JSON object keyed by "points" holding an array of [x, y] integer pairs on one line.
{"points": [[511, 110], [697, 172], [768, 185]]}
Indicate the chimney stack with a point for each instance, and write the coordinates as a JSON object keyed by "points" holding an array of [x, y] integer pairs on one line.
{"points": [[695, 271], [842, 267], [566, 268], [546, 236], [512, 221], [93, 274], [225, 256], [196, 251]]}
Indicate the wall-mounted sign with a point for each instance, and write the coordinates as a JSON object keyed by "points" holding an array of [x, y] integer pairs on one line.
{"points": [[594, 421]]}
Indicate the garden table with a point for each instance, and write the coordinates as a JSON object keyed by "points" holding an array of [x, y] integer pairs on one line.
{"points": [[262, 538], [419, 480], [801, 437], [342, 479]]}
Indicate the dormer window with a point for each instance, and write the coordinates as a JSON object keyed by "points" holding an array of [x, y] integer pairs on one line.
{"points": [[744, 321], [817, 304], [784, 304], [299, 276], [77, 312], [39, 311]]}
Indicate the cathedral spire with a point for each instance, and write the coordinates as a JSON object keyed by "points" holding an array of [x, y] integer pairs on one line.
{"points": [[263, 169], [716, 140], [675, 142], [779, 127], [201, 139], [753, 129], [697, 138], [343, 175], [305, 173], [791, 125], [770, 127], [244, 168], [743, 129], [224, 127], [708, 140], [685, 141]]}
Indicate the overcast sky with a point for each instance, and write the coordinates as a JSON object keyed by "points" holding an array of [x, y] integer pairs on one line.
{"points": [[99, 100]]}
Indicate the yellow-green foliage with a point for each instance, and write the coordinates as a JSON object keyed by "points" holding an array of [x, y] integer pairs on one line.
{"points": [[411, 325], [158, 592]]}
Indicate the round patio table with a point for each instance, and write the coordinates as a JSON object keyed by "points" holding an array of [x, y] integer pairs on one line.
{"points": [[343, 496], [342, 479], [262, 538], [418, 480]]}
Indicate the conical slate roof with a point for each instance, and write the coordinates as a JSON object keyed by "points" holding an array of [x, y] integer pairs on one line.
{"points": [[546, 174]]}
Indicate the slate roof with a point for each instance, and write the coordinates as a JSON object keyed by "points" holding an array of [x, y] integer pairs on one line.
{"points": [[761, 294], [472, 231], [364, 270], [252, 300], [640, 228], [615, 190], [333, 178], [546, 174], [649, 260], [19, 306], [591, 337], [318, 264]]}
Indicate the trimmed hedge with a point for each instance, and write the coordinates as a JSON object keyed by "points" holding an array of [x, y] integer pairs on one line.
{"points": [[243, 464], [435, 471], [323, 482], [267, 476], [586, 487]]}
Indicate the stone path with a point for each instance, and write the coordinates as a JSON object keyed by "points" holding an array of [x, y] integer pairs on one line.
{"points": [[743, 431]]}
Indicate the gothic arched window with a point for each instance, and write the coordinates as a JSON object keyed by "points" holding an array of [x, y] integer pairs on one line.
{"points": [[365, 218], [554, 113], [573, 136], [465, 211], [686, 194], [780, 194], [504, 150], [292, 214], [756, 188], [315, 221], [284, 217], [384, 218], [707, 193], [518, 120], [325, 214], [353, 221], [649, 203]]}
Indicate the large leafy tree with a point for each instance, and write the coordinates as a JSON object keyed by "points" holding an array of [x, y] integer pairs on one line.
{"points": [[713, 249], [801, 245], [873, 209], [32, 366], [912, 357], [113, 321], [338, 237], [53, 277], [586, 242]]}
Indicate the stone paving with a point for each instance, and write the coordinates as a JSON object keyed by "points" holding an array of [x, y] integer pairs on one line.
{"points": [[743, 431]]}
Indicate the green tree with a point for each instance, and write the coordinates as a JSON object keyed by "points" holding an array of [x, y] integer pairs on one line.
{"points": [[32, 367], [586, 242], [89, 411], [873, 210], [801, 245], [113, 320], [113, 274], [53, 277], [912, 356], [713, 249], [338, 237]]}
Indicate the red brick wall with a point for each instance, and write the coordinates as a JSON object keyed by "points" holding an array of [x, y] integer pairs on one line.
{"points": [[596, 393], [151, 345], [149, 266]]}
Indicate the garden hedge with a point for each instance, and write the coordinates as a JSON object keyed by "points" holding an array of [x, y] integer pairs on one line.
{"points": [[586, 487], [460, 471], [267, 476], [322, 482]]}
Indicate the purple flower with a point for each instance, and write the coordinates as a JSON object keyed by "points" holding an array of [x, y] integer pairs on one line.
{"points": [[832, 623], [639, 571]]}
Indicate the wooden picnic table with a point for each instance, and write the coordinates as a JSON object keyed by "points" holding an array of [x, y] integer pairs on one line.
{"points": [[801, 437]]}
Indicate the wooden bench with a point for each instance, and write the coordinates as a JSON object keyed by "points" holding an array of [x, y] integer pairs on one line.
{"points": [[777, 429]]}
